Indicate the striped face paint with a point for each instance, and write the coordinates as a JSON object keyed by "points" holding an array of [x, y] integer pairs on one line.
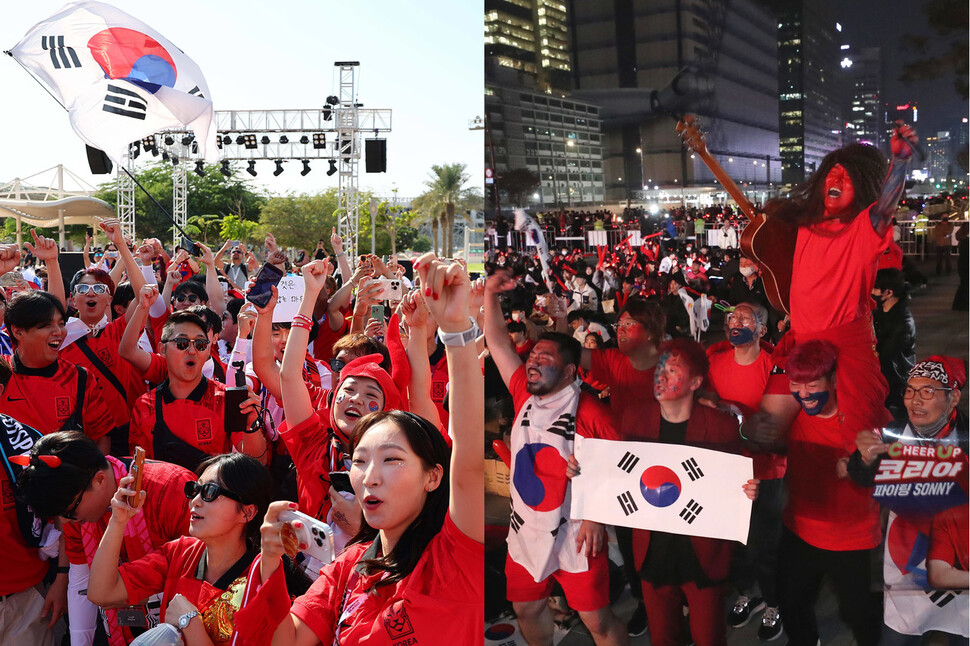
{"points": [[671, 378]]}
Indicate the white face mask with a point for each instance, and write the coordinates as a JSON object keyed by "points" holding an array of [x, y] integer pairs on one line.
{"points": [[746, 271]]}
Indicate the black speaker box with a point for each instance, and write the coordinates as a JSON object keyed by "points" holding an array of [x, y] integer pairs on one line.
{"points": [[375, 155]]}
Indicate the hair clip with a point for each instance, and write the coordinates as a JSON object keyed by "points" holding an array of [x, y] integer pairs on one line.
{"points": [[24, 460]]}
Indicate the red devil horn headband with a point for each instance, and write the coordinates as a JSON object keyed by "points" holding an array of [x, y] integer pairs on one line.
{"points": [[24, 460]]}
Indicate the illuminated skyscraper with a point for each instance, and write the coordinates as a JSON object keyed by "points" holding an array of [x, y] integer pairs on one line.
{"points": [[531, 36], [865, 121]]}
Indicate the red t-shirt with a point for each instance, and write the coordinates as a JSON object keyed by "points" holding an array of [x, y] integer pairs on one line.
{"points": [[824, 510], [199, 419], [746, 385], [833, 270], [950, 537], [629, 388], [440, 602], [45, 398], [309, 445], [592, 415], [105, 347], [166, 510], [171, 569], [326, 337], [23, 566]]}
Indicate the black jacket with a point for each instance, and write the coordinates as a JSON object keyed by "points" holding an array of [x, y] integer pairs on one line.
{"points": [[896, 346]]}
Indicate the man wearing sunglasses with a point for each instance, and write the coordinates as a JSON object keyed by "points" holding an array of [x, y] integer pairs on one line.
{"points": [[178, 294], [933, 421], [183, 420], [68, 477]]}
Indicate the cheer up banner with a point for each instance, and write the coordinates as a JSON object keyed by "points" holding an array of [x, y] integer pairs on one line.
{"points": [[666, 487], [915, 480]]}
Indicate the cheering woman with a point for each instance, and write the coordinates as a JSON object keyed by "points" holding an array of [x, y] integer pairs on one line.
{"points": [[415, 571]]}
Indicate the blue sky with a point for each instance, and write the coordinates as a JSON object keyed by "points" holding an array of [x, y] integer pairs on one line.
{"points": [[423, 60]]}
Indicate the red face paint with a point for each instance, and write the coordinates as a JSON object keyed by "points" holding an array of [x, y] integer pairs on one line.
{"points": [[839, 191]]}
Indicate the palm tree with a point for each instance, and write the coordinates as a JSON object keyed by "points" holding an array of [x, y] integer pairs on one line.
{"points": [[446, 189]]}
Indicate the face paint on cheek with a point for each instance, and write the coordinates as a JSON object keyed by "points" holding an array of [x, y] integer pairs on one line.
{"points": [[341, 397], [373, 407]]}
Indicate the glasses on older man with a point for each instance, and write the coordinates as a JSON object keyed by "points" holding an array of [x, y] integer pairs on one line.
{"points": [[925, 392]]}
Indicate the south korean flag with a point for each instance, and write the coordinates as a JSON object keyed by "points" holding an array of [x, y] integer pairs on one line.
{"points": [[666, 487]]}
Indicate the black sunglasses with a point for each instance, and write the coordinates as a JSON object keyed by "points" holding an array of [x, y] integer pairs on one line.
{"points": [[69, 514], [192, 298], [182, 343], [336, 365], [210, 491]]}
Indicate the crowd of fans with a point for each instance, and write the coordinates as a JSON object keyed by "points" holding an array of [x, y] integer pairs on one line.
{"points": [[675, 341], [343, 411]]}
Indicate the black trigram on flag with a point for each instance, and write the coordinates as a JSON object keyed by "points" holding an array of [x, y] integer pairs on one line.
{"points": [[562, 521], [691, 511], [525, 416], [61, 55], [121, 101], [694, 471], [627, 504], [565, 426], [628, 462], [942, 597], [195, 91], [515, 521]]}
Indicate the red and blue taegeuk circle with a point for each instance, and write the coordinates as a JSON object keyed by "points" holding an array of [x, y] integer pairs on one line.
{"points": [[660, 486], [540, 476], [130, 55], [907, 546]]}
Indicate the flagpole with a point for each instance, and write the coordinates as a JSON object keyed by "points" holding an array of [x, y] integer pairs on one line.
{"points": [[46, 89]]}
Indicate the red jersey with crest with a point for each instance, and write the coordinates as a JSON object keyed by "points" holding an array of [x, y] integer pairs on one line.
{"points": [[440, 602], [198, 420], [105, 348], [46, 398]]}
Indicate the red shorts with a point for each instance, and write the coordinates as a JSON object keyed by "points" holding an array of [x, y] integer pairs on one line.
{"points": [[585, 591]]}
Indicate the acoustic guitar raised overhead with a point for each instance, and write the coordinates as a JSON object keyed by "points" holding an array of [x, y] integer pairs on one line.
{"points": [[767, 241]]}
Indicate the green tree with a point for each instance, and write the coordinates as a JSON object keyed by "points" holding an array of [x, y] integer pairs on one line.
{"points": [[300, 220], [517, 184], [212, 193], [447, 194], [233, 227]]}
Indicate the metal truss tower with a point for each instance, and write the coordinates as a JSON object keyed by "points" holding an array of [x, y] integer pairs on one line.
{"points": [[332, 133], [126, 198]]}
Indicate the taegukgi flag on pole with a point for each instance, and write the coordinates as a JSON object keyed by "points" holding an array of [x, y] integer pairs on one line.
{"points": [[535, 238], [119, 79], [665, 487]]}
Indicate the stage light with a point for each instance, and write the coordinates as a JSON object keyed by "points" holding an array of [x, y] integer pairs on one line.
{"points": [[226, 140], [169, 140], [148, 143], [284, 139], [240, 140], [327, 113], [279, 168], [252, 168], [306, 168], [187, 139], [333, 168], [250, 141], [264, 140], [225, 168], [319, 140], [200, 168], [304, 140], [332, 100], [164, 156], [175, 160], [134, 149]]}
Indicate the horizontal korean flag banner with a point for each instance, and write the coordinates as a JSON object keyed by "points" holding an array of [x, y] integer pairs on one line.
{"points": [[665, 487]]}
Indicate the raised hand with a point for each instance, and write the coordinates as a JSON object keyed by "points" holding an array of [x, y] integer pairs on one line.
{"points": [[903, 141], [207, 258], [112, 229], [9, 258], [146, 253], [315, 277], [121, 509], [147, 296], [446, 292], [500, 281], [43, 248], [414, 310], [336, 241], [271, 243], [246, 320]]}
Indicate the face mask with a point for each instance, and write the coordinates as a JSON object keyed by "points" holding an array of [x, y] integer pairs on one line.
{"points": [[740, 336], [746, 271], [814, 403]]}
